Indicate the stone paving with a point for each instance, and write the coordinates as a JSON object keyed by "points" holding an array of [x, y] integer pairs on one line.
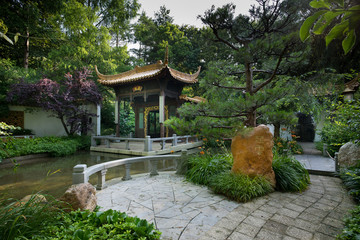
{"points": [[181, 210], [313, 160]]}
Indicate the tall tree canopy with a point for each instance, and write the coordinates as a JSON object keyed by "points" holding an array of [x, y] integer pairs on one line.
{"points": [[253, 77]]}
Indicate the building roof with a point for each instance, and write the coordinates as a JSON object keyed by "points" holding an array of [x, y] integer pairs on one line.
{"points": [[146, 72]]}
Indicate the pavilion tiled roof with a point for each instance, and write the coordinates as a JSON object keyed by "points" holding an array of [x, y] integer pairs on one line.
{"points": [[144, 73]]}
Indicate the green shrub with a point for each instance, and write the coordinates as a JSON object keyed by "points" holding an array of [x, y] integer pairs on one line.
{"points": [[38, 220], [100, 225], [23, 220], [351, 179], [289, 173], [342, 126], [56, 146], [203, 166], [240, 187], [352, 226]]}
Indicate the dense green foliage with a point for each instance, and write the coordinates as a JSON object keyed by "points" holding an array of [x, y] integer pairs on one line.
{"points": [[352, 226], [56, 146], [240, 187], [38, 220], [110, 224], [342, 126], [351, 180], [24, 220], [290, 174], [202, 167]]}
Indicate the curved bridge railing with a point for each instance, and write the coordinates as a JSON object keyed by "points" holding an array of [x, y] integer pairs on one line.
{"points": [[147, 141], [81, 172]]}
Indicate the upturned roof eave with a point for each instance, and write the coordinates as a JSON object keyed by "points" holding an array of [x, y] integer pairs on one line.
{"points": [[157, 69]]}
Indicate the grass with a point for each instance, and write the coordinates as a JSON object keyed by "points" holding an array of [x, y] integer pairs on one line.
{"points": [[23, 220], [290, 175], [240, 187], [202, 167]]}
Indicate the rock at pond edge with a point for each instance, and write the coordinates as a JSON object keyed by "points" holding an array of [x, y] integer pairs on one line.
{"points": [[80, 196]]}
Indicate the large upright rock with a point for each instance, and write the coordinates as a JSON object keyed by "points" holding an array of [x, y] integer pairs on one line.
{"points": [[80, 196], [349, 155], [253, 153]]}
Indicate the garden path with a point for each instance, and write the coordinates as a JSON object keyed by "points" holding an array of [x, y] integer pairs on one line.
{"points": [[313, 160], [181, 210]]}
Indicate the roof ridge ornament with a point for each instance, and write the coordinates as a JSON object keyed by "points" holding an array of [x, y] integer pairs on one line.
{"points": [[166, 59]]}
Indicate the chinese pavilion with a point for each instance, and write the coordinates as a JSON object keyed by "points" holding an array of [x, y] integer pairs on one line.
{"points": [[154, 91]]}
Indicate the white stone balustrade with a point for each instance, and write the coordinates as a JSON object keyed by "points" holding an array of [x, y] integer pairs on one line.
{"points": [[81, 172]]}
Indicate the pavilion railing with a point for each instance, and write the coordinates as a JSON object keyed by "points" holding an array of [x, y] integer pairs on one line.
{"points": [[81, 172], [148, 141]]}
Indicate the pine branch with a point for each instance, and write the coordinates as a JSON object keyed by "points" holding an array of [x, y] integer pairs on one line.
{"points": [[255, 70], [204, 114], [223, 40], [257, 88], [226, 127], [231, 87]]}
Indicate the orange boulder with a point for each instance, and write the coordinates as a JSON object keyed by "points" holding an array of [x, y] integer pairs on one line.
{"points": [[253, 153]]}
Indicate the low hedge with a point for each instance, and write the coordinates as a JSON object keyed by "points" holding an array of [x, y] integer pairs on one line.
{"points": [[56, 146]]}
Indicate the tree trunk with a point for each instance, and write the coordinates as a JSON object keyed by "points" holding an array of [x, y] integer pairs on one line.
{"points": [[251, 115], [26, 52], [276, 130], [64, 125], [251, 118]]}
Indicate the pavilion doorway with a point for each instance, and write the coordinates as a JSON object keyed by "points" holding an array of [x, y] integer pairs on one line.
{"points": [[153, 124]]}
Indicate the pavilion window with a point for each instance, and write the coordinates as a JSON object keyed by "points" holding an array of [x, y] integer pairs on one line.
{"points": [[172, 111], [141, 118]]}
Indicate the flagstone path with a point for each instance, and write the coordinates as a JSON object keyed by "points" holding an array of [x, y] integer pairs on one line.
{"points": [[181, 210]]}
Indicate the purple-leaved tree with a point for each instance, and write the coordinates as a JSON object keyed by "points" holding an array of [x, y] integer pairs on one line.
{"points": [[66, 100]]}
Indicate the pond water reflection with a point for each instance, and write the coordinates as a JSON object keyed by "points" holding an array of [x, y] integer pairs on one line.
{"points": [[53, 175]]}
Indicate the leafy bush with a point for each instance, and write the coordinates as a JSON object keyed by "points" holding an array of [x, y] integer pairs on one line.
{"points": [[343, 125], [100, 225], [202, 167], [26, 219], [240, 187], [351, 179], [56, 146], [352, 226], [38, 220], [289, 173]]}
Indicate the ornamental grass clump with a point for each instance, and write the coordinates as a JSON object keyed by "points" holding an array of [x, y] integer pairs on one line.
{"points": [[239, 187], [23, 220], [204, 166], [290, 175]]}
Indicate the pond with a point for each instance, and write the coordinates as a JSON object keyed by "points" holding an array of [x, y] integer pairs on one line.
{"points": [[53, 175]]}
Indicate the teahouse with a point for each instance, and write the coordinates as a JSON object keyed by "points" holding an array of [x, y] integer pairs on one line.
{"points": [[154, 91]]}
